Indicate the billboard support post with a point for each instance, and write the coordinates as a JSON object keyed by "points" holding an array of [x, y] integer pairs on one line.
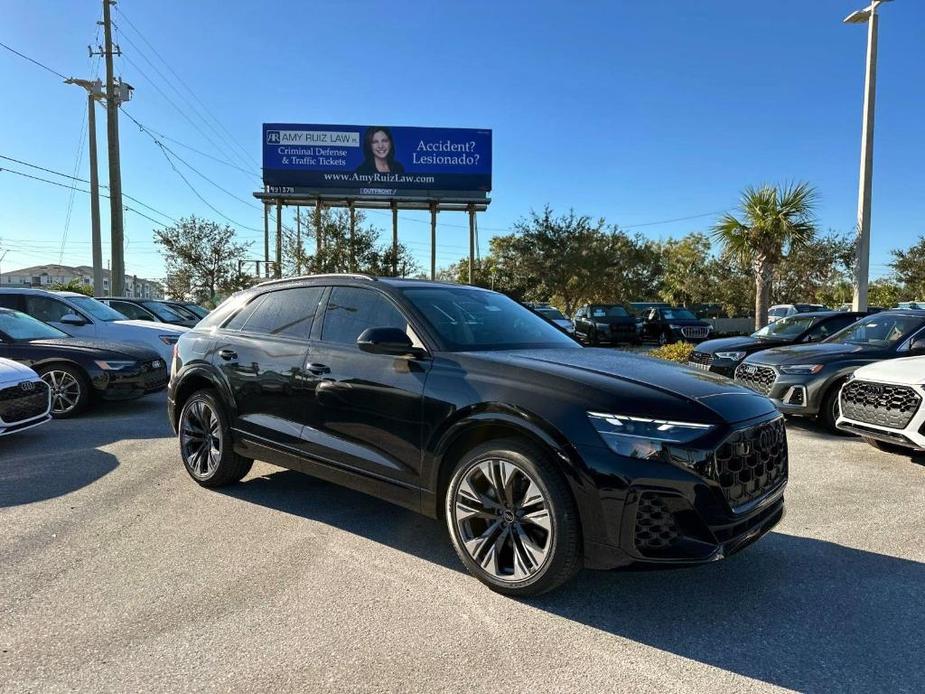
{"points": [[279, 239], [471, 244], [319, 239], [298, 240], [266, 240], [433, 241], [394, 238], [353, 223]]}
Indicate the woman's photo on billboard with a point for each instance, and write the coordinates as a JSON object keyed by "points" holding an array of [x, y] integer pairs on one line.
{"points": [[379, 152]]}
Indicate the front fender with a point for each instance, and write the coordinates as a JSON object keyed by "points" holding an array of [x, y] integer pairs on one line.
{"points": [[188, 379]]}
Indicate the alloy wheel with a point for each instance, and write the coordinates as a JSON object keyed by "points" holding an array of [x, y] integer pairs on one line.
{"points": [[503, 520], [65, 391], [200, 439]]}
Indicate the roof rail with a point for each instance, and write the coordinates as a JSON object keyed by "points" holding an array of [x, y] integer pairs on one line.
{"points": [[353, 275]]}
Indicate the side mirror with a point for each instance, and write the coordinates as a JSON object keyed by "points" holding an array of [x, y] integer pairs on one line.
{"points": [[917, 346], [387, 341], [72, 319]]}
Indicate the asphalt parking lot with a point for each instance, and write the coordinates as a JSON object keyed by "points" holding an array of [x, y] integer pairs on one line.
{"points": [[118, 573]]}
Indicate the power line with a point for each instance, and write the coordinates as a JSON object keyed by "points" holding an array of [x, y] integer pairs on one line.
{"points": [[33, 60]]}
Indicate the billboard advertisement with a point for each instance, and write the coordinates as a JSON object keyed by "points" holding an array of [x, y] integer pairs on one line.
{"points": [[375, 159]]}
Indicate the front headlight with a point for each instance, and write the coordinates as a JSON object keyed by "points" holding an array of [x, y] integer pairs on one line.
{"points": [[734, 356], [802, 369], [674, 327], [602, 326], [169, 339], [641, 437], [111, 365]]}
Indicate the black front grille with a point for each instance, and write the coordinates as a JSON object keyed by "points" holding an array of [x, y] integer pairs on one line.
{"points": [[879, 403], [154, 376], [700, 360], [752, 462], [695, 332], [18, 404], [655, 525], [759, 378]]}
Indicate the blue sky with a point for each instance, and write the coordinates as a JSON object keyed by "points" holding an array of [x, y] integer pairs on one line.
{"points": [[636, 111]]}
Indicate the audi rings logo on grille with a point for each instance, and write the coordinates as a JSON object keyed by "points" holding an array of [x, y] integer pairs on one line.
{"points": [[749, 369], [27, 386], [766, 438]]}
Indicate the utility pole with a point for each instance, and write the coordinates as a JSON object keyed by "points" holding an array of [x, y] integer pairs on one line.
{"points": [[115, 95], [862, 259], [94, 94]]}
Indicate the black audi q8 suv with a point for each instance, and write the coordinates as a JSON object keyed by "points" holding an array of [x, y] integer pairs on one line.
{"points": [[805, 379], [541, 455]]}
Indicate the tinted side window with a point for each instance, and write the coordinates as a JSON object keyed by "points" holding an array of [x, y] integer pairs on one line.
{"points": [[288, 312], [237, 323], [830, 327], [130, 310], [9, 301], [46, 309], [351, 310]]}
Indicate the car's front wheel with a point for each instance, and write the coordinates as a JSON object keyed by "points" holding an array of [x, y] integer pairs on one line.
{"points": [[512, 519], [205, 442], [70, 389]]}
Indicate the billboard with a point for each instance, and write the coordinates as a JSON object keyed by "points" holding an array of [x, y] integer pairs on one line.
{"points": [[375, 160]]}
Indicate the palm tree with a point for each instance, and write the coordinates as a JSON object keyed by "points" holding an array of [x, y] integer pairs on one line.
{"points": [[772, 220]]}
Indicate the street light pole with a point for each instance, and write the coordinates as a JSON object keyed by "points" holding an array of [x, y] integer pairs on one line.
{"points": [[862, 251]]}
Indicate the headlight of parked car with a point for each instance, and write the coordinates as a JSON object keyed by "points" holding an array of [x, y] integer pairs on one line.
{"points": [[641, 437], [802, 369], [735, 356], [111, 365]]}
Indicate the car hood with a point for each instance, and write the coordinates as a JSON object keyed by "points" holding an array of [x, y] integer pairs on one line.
{"points": [[730, 402], [614, 320], [98, 348], [818, 353], [162, 328], [745, 343], [15, 372], [687, 321], [907, 371]]}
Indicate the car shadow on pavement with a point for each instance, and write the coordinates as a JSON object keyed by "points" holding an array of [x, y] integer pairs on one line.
{"points": [[800, 613], [63, 455]]}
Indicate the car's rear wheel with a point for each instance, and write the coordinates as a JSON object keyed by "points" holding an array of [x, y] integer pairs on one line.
{"points": [[205, 442], [70, 389], [512, 519]]}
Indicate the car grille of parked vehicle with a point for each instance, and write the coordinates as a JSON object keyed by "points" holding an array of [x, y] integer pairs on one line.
{"points": [[878, 403], [752, 461], [155, 374], [23, 401], [759, 378], [701, 360], [695, 332], [655, 525]]}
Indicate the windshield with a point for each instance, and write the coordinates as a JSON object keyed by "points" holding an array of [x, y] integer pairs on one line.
{"points": [[162, 311], [879, 330], [786, 327], [551, 313], [95, 308], [19, 326], [608, 312], [476, 320], [677, 314], [196, 309]]}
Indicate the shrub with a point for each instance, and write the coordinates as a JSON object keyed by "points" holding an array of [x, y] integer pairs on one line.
{"points": [[677, 351]]}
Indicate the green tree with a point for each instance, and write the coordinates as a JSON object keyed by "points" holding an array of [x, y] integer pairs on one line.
{"points": [[816, 271], [771, 220], [909, 269], [201, 257], [75, 285], [885, 292], [685, 264]]}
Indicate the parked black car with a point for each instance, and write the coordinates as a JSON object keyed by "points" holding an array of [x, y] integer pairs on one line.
{"points": [[805, 379], [76, 369], [186, 311], [457, 402], [723, 355], [667, 325], [148, 309], [610, 323]]}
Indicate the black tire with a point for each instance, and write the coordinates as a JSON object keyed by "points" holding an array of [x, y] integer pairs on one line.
{"points": [[206, 446], [560, 544], [888, 447], [70, 388], [828, 413]]}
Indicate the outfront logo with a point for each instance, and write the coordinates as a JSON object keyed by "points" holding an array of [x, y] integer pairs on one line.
{"points": [[273, 137]]}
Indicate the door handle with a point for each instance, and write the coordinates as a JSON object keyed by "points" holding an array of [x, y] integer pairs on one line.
{"points": [[228, 354], [317, 369]]}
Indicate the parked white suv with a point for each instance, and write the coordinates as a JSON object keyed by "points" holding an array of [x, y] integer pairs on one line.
{"points": [[779, 311], [84, 316], [883, 403], [25, 400]]}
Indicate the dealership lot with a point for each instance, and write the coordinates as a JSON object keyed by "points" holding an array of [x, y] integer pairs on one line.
{"points": [[120, 574]]}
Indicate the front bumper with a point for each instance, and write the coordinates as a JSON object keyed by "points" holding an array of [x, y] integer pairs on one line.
{"points": [[132, 383], [792, 394], [911, 436], [650, 512]]}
